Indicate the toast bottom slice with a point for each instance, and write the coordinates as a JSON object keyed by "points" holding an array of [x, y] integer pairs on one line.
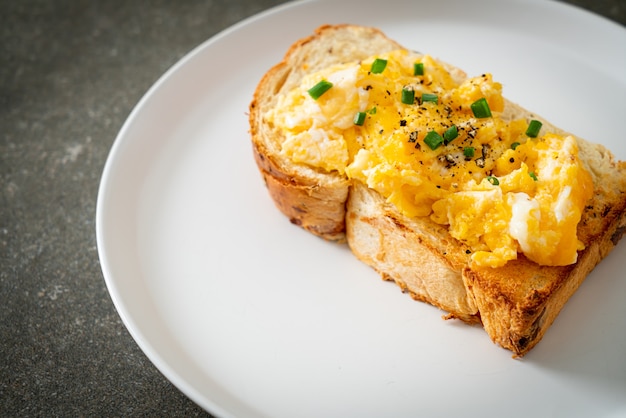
{"points": [[516, 303], [420, 257]]}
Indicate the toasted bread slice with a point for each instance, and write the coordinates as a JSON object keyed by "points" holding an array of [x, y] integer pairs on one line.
{"points": [[309, 198], [516, 303]]}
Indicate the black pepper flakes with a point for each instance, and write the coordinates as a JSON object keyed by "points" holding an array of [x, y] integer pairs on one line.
{"points": [[485, 150]]}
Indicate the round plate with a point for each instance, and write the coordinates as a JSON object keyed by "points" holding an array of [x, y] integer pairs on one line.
{"points": [[251, 316]]}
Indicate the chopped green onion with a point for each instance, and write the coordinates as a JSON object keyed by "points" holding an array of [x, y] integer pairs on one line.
{"points": [[533, 128], [359, 118], [480, 108], [433, 140], [320, 88], [493, 180], [532, 175], [515, 145], [378, 66], [418, 68], [469, 152], [372, 111], [450, 133], [408, 96], [427, 97]]}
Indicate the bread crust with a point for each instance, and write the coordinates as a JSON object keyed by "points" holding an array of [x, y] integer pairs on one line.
{"points": [[316, 207], [516, 303]]}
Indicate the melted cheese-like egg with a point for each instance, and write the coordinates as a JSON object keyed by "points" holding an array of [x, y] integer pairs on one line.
{"points": [[497, 190]]}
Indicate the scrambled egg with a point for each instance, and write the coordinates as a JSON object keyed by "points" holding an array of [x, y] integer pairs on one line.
{"points": [[409, 129]]}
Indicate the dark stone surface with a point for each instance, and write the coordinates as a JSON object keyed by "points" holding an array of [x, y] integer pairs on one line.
{"points": [[70, 73]]}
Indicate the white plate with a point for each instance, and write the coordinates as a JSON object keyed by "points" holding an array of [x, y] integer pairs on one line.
{"points": [[252, 317]]}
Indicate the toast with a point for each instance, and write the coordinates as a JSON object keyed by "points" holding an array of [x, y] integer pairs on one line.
{"points": [[516, 302]]}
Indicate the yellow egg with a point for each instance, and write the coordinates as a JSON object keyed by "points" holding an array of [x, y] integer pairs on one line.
{"points": [[421, 146]]}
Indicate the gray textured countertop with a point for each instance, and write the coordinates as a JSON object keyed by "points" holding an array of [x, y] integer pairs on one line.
{"points": [[70, 73]]}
